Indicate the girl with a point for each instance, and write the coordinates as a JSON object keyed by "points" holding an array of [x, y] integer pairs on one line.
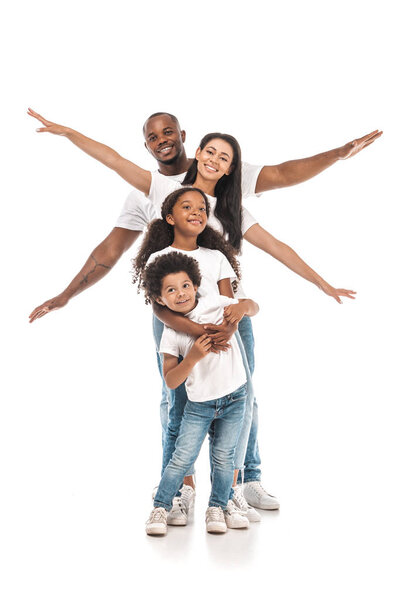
{"points": [[215, 170]]}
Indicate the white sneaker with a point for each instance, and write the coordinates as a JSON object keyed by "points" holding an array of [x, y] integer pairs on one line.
{"points": [[157, 522], [240, 502], [256, 496], [234, 518], [181, 506], [215, 520]]}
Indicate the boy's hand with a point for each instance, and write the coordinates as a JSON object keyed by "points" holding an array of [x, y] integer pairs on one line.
{"points": [[200, 348], [221, 334], [49, 126], [235, 312]]}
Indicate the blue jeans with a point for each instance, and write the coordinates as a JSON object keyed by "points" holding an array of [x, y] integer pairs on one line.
{"points": [[173, 404], [252, 461], [226, 415]]}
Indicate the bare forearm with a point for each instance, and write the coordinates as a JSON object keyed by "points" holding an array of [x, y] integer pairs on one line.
{"points": [[178, 374], [286, 255], [251, 308], [177, 322]]}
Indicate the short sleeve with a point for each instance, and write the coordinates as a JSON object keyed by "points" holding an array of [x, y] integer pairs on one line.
{"points": [[160, 187], [247, 220], [225, 268], [250, 175], [169, 342], [136, 213]]}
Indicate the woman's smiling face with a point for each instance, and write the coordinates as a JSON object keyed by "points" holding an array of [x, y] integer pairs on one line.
{"points": [[215, 159]]}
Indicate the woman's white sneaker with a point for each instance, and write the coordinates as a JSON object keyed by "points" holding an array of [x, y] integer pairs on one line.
{"points": [[240, 502], [234, 517], [215, 520], [257, 496], [157, 522]]}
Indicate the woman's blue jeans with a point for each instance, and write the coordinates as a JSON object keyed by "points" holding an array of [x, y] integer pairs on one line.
{"points": [[226, 416], [173, 404]]}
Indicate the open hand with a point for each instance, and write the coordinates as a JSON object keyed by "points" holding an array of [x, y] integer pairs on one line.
{"points": [[359, 144], [53, 304], [201, 347], [221, 334], [49, 126], [337, 292]]}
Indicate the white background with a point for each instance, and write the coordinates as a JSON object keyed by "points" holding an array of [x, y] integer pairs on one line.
{"points": [[80, 436]]}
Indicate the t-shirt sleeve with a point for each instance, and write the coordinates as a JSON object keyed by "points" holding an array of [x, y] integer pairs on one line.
{"points": [[169, 342], [160, 187], [250, 175], [225, 268], [136, 213], [247, 220]]}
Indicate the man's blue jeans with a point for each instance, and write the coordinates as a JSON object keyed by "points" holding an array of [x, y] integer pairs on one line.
{"points": [[226, 415], [173, 404]]}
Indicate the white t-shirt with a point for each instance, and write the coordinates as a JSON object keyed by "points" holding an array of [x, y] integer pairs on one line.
{"points": [[213, 265], [215, 375], [139, 210]]}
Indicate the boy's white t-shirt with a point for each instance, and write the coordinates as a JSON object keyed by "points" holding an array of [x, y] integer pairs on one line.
{"points": [[215, 375], [213, 265], [139, 210]]}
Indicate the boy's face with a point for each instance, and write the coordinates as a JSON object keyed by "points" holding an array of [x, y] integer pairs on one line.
{"points": [[178, 292]]}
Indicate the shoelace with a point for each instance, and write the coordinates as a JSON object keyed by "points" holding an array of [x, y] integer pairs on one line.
{"points": [[157, 514], [241, 500], [215, 513], [256, 486], [186, 493]]}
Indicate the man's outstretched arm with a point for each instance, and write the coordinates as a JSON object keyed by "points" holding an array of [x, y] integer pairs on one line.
{"points": [[99, 263], [297, 171]]}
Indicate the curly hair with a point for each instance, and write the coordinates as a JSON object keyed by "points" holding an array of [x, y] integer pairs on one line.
{"points": [[160, 235], [160, 267]]}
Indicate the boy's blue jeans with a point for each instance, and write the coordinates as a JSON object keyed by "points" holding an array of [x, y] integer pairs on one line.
{"points": [[226, 415], [173, 404]]}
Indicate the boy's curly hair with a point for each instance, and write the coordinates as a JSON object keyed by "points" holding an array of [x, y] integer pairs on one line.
{"points": [[160, 267], [160, 235]]}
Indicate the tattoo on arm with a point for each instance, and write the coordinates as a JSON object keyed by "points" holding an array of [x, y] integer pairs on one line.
{"points": [[85, 279]]}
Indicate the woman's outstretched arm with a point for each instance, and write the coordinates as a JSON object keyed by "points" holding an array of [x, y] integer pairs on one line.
{"points": [[260, 238], [136, 176]]}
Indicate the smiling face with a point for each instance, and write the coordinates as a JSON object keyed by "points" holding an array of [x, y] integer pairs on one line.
{"points": [[215, 159], [189, 214], [164, 139], [178, 292]]}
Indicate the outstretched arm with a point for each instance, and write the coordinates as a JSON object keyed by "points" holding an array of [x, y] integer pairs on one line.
{"points": [[260, 238], [297, 171], [139, 178], [99, 263]]}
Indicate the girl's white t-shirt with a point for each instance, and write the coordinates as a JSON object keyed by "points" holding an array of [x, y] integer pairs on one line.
{"points": [[215, 375], [213, 265]]}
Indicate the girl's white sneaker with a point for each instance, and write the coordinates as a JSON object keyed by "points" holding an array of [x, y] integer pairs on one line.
{"points": [[234, 517], [240, 502], [157, 522], [215, 520]]}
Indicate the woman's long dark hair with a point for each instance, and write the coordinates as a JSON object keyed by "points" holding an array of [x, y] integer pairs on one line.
{"points": [[228, 190], [160, 235]]}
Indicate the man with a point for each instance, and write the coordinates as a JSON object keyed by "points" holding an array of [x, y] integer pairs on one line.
{"points": [[164, 139]]}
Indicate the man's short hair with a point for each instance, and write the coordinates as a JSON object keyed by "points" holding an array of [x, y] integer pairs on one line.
{"points": [[172, 262], [158, 114]]}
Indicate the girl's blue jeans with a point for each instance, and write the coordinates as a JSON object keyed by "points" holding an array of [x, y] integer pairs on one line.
{"points": [[173, 403], [226, 416]]}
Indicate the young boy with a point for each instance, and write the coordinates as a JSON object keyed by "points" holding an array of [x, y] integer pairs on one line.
{"points": [[215, 384]]}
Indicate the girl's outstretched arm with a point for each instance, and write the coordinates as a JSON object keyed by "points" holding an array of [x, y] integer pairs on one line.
{"points": [[136, 176], [260, 238]]}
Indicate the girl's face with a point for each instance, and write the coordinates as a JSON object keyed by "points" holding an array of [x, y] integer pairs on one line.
{"points": [[189, 214], [215, 159]]}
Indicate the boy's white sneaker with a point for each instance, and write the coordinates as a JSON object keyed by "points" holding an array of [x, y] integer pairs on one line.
{"points": [[215, 520], [240, 502], [257, 496], [157, 522], [234, 518]]}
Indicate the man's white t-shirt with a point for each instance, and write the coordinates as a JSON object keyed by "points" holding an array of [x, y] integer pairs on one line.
{"points": [[215, 375], [139, 210], [213, 266]]}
